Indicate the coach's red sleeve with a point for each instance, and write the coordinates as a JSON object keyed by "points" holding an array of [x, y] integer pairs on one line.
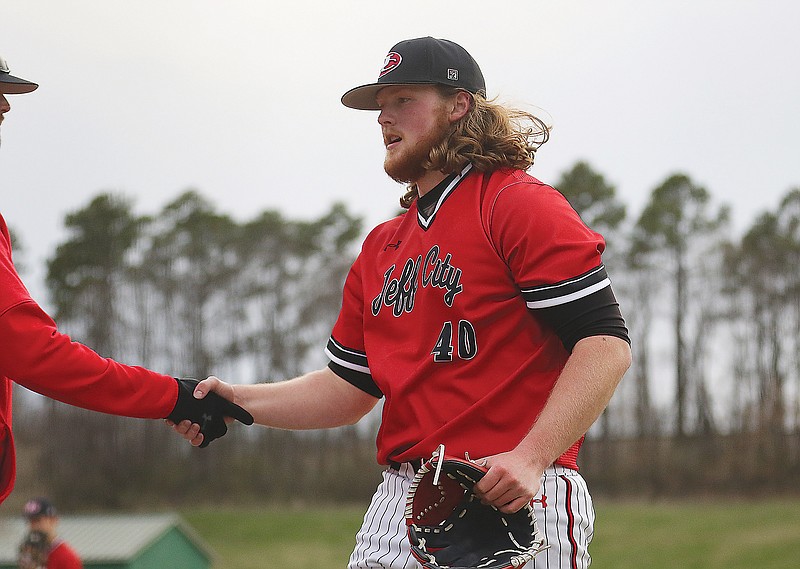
{"points": [[36, 355]]}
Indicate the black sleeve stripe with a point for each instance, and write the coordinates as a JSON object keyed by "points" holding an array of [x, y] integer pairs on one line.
{"points": [[597, 314], [567, 291], [361, 380], [346, 357], [352, 366]]}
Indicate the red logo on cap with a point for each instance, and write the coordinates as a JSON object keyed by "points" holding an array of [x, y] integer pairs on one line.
{"points": [[392, 60]]}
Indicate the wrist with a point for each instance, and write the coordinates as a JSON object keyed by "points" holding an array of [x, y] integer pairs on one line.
{"points": [[536, 453]]}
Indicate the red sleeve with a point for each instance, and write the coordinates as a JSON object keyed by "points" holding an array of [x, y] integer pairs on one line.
{"points": [[542, 238], [12, 291], [36, 355], [349, 327], [33, 353], [346, 345]]}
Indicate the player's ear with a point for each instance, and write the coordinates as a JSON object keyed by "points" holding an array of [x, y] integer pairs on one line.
{"points": [[460, 106]]}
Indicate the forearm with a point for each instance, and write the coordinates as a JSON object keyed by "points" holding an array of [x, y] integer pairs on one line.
{"points": [[582, 392], [317, 400]]}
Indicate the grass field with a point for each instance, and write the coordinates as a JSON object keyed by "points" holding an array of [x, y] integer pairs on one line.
{"points": [[285, 538], [675, 535]]}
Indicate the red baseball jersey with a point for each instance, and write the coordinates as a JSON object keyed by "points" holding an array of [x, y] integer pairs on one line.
{"points": [[439, 314], [34, 354], [62, 556]]}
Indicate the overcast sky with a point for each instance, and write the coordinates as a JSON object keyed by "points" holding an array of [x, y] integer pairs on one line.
{"points": [[240, 100]]}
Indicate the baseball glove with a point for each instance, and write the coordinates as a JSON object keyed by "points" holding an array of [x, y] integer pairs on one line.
{"points": [[33, 551], [449, 527]]}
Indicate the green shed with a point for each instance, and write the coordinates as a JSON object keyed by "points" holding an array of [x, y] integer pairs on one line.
{"points": [[154, 541]]}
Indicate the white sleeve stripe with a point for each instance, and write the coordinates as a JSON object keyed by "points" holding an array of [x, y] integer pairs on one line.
{"points": [[547, 303], [346, 350], [346, 364], [566, 283]]}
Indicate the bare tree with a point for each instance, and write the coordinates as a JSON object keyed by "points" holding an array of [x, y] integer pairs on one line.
{"points": [[674, 231], [84, 278]]}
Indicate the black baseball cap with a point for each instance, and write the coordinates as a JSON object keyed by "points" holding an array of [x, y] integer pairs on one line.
{"points": [[38, 507], [10, 85], [421, 61]]}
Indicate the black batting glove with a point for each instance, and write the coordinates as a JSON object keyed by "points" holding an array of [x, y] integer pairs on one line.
{"points": [[209, 412]]}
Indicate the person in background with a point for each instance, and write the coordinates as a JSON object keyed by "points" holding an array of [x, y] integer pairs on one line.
{"points": [[42, 519], [34, 354]]}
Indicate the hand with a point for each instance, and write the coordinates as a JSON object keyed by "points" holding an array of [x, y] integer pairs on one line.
{"points": [[201, 414], [512, 481]]}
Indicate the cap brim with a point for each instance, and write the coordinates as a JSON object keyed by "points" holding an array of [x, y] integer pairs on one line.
{"points": [[364, 97], [10, 85]]}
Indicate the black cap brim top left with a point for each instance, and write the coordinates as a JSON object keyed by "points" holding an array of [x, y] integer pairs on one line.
{"points": [[10, 85]]}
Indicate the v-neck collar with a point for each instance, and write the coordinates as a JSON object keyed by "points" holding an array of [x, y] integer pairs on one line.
{"points": [[429, 204]]}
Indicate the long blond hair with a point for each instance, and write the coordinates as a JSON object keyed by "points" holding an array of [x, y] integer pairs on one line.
{"points": [[490, 136]]}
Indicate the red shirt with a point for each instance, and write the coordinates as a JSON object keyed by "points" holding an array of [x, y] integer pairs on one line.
{"points": [[439, 314], [62, 556], [34, 354]]}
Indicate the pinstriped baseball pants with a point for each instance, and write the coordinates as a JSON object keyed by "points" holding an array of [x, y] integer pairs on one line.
{"points": [[563, 509]]}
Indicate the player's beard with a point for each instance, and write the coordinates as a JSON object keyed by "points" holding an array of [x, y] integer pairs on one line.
{"points": [[409, 165]]}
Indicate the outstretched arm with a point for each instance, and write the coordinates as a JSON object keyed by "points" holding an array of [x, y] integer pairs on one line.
{"points": [[317, 400]]}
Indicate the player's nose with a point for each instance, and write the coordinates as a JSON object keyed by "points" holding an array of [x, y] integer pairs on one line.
{"points": [[384, 117], [5, 106]]}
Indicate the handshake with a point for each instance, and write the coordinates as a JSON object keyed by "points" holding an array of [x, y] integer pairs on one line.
{"points": [[210, 412]]}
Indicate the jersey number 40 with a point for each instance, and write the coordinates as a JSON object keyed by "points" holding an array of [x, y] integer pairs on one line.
{"points": [[464, 339]]}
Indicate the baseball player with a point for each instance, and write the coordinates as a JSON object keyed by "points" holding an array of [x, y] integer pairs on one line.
{"points": [[34, 354], [483, 316], [43, 517]]}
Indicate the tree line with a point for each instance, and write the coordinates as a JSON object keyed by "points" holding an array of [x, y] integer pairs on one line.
{"points": [[712, 399]]}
